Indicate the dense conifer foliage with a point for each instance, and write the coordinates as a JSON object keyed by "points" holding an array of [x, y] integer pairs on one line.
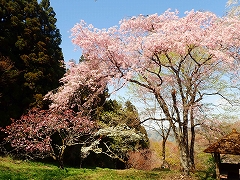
{"points": [[31, 61]]}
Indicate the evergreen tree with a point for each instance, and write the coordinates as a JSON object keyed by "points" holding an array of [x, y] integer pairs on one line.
{"points": [[114, 114], [29, 41]]}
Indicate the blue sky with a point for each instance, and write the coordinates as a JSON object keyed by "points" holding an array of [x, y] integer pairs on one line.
{"points": [[107, 13]]}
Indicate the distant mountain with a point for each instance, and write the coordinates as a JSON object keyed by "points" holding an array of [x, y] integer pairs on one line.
{"points": [[154, 135]]}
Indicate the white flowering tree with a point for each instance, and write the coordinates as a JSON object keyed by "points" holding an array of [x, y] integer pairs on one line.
{"points": [[117, 141]]}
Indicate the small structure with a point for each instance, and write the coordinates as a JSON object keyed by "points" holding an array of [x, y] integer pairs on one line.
{"points": [[229, 144]]}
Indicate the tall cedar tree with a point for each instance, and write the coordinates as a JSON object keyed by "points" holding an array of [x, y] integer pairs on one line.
{"points": [[31, 61]]}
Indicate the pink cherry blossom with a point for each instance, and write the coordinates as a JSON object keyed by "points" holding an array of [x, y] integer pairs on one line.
{"points": [[31, 136], [179, 60]]}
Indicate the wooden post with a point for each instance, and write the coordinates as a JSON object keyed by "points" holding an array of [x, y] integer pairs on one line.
{"points": [[217, 161]]}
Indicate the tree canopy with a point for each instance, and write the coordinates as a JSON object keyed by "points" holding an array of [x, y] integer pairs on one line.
{"points": [[31, 61], [36, 134], [180, 61]]}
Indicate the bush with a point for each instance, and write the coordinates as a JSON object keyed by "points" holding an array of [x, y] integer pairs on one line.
{"points": [[141, 159]]}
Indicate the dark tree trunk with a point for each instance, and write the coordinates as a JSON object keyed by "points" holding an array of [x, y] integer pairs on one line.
{"points": [[192, 142], [60, 157], [192, 148], [217, 162]]}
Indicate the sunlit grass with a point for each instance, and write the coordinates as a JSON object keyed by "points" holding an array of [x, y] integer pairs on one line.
{"points": [[11, 169]]}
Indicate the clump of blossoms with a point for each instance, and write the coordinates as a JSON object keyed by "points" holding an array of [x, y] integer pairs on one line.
{"points": [[31, 135], [116, 140]]}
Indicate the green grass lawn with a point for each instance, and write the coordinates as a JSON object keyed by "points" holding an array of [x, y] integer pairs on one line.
{"points": [[11, 169]]}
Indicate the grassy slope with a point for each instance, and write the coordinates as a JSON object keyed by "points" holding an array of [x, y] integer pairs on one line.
{"points": [[14, 169]]}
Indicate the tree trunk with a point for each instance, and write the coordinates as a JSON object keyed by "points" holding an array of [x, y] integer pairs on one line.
{"points": [[192, 142], [180, 130], [192, 148], [165, 164], [164, 149], [217, 162], [60, 161], [81, 159], [184, 158], [60, 156]]}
